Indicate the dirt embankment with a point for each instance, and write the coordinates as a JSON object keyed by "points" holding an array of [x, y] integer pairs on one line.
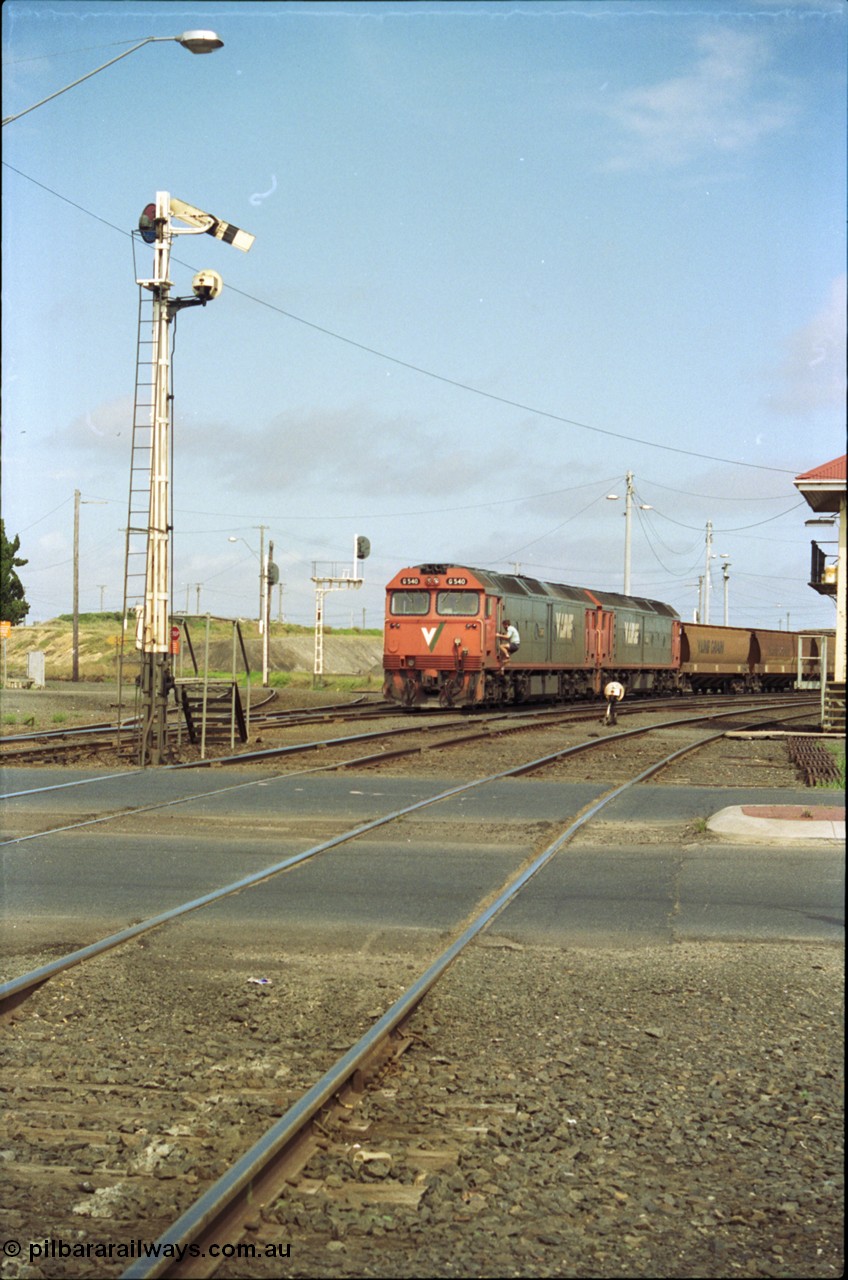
{"points": [[290, 648]]}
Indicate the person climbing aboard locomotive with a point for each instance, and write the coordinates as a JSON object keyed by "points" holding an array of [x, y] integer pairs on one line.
{"points": [[510, 640]]}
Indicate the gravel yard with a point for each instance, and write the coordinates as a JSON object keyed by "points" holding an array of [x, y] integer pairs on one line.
{"points": [[561, 1112], [672, 1111]]}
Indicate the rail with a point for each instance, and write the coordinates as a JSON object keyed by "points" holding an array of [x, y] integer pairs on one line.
{"points": [[262, 1173], [16, 989]]}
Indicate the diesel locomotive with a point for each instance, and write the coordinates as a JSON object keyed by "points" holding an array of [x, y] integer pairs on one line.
{"points": [[445, 642]]}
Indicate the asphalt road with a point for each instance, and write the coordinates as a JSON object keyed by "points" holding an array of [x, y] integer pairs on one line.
{"points": [[646, 877]]}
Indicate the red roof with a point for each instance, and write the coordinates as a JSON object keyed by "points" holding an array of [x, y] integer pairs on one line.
{"points": [[834, 470]]}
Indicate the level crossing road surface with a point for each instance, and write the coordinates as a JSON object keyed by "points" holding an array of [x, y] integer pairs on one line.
{"points": [[646, 875]]}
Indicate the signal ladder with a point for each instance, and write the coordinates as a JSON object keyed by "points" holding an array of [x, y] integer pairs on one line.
{"points": [[138, 511]]}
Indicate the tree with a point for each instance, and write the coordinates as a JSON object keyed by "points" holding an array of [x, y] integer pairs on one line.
{"points": [[13, 605]]}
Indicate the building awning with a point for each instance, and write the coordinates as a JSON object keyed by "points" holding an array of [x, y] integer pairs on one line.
{"points": [[824, 487]]}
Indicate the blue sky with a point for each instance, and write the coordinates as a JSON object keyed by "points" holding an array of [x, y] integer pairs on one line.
{"points": [[505, 253]]}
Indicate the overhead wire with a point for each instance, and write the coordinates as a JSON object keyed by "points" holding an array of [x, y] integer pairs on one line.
{"points": [[548, 533], [429, 373], [733, 529], [464, 386]]}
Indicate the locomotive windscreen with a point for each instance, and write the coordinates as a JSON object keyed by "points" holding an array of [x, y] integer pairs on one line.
{"points": [[458, 604], [410, 603]]}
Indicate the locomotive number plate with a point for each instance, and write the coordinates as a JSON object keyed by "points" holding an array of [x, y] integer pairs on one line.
{"points": [[409, 582], [456, 582]]}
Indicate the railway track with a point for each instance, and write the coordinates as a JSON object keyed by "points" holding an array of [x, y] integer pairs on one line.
{"points": [[434, 736], [170, 1109], [101, 743], [85, 742]]}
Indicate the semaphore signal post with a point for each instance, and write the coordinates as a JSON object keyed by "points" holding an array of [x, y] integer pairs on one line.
{"points": [[149, 524]]}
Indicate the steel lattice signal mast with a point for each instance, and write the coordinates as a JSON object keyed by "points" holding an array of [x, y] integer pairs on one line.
{"points": [[153, 636]]}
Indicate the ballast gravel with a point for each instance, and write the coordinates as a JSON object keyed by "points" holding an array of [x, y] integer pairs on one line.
{"points": [[588, 1112], [673, 1112]]}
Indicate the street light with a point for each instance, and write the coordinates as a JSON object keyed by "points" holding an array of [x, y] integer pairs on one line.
{"points": [[194, 41], [260, 556], [268, 577], [725, 569], [78, 501], [628, 519]]}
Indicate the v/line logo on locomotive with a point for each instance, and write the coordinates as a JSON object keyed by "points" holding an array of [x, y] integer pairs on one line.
{"points": [[446, 624], [431, 635]]}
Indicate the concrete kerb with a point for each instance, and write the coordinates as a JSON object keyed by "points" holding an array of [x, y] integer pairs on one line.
{"points": [[779, 822]]}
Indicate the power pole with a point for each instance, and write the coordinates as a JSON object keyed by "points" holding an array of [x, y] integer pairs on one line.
{"points": [[628, 524], [628, 518], [266, 613], [75, 641]]}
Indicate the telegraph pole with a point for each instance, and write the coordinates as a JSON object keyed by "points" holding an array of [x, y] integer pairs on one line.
{"points": [[75, 641]]}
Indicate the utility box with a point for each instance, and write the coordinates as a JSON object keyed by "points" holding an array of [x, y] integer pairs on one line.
{"points": [[35, 668]]}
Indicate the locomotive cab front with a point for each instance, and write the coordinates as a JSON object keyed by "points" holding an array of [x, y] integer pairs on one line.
{"points": [[436, 633]]}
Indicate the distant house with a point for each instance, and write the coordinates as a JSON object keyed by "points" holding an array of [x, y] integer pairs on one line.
{"points": [[824, 489]]}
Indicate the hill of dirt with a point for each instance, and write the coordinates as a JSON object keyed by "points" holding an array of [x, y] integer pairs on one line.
{"points": [[291, 649]]}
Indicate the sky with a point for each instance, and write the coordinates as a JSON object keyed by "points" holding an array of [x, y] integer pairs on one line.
{"points": [[505, 253]]}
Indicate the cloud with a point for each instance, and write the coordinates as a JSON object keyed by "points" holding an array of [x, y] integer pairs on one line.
{"points": [[346, 452], [811, 374], [719, 106], [106, 430]]}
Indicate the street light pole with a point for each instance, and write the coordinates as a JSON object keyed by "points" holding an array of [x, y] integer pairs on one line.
{"points": [[194, 41], [267, 578], [725, 569], [708, 558], [75, 639], [628, 516], [628, 522]]}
